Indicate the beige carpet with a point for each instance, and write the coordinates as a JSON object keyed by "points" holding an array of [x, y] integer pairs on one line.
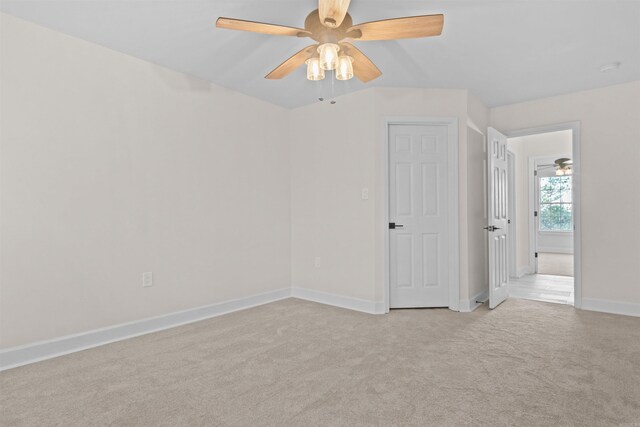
{"points": [[300, 363], [555, 264]]}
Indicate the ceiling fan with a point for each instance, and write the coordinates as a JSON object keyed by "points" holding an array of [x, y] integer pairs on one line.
{"points": [[332, 29], [563, 166]]}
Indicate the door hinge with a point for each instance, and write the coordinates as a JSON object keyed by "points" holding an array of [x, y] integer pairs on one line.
{"points": [[508, 221], [535, 173], [536, 254], [535, 213]]}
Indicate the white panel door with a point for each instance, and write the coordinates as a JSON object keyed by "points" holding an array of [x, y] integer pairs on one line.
{"points": [[418, 200], [498, 217]]}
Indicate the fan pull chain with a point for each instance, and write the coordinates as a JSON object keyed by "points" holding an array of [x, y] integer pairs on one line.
{"points": [[323, 89], [333, 88]]}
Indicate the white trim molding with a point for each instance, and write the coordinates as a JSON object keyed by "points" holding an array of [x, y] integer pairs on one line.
{"points": [[577, 195], [612, 307], [523, 271], [511, 211], [43, 350], [351, 303], [469, 305]]}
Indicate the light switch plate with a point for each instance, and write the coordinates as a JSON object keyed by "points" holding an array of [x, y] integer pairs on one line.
{"points": [[147, 279]]}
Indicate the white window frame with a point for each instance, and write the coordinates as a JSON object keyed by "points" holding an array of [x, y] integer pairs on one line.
{"points": [[539, 209]]}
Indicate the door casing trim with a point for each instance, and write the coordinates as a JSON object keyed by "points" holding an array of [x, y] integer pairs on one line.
{"points": [[453, 204], [577, 199], [511, 186]]}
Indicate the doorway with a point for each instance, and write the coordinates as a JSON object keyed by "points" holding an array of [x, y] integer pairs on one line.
{"points": [[544, 214], [422, 210]]}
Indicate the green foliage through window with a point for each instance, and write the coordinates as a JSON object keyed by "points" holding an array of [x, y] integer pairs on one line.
{"points": [[555, 204]]}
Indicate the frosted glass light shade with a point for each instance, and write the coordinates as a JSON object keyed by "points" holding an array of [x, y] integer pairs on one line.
{"points": [[345, 68], [328, 56], [314, 71]]}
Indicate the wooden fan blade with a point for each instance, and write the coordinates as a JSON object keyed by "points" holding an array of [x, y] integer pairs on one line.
{"points": [[332, 12], [260, 27], [400, 28], [363, 68], [292, 63]]}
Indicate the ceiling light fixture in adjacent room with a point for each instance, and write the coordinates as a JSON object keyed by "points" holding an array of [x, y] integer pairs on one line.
{"points": [[564, 166]]}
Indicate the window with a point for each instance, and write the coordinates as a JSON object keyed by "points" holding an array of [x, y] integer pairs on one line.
{"points": [[555, 204]]}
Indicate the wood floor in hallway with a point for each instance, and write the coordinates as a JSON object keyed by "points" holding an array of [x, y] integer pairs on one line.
{"points": [[543, 287]]}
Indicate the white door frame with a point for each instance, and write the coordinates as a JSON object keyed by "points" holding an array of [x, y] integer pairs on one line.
{"points": [[454, 223], [577, 200], [513, 243]]}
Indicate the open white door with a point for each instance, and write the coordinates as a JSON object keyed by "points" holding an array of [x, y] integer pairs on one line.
{"points": [[497, 228]]}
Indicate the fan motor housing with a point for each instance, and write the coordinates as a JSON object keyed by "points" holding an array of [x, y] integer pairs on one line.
{"points": [[324, 34]]}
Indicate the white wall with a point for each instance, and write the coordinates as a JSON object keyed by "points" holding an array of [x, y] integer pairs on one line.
{"points": [[526, 149], [332, 160], [122, 167], [112, 166], [554, 242], [338, 150], [610, 141], [396, 102], [332, 222], [475, 206]]}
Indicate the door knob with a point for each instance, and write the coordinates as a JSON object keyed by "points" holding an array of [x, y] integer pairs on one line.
{"points": [[492, 228], [393, 226]]}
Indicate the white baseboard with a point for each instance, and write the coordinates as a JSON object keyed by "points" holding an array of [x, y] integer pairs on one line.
{"points": [[551, 250], [22, 355], [613, 307], [468, 305], [523, 271], [366, 306], [43, 350]]}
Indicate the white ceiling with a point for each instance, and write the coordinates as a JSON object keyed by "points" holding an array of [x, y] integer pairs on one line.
{"points": [[503, 51]]}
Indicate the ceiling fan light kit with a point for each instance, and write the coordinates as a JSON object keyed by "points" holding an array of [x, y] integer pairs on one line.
{"points": [[564, 166], [344, 71], [328, 56], [563, 172], [314, 70], [331, 27]]}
